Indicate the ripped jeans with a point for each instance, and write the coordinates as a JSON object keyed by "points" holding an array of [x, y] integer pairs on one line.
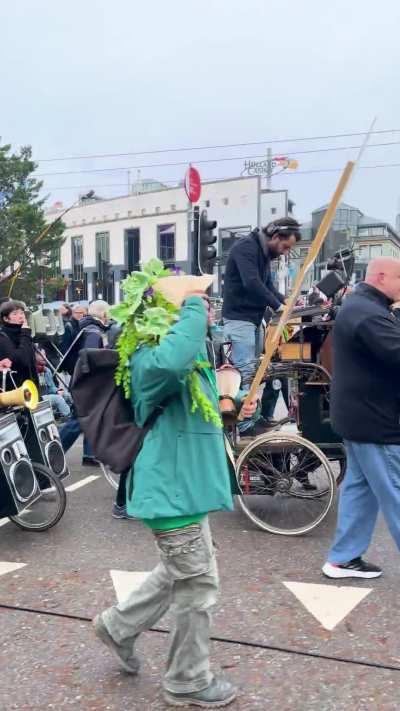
{"points": [[186, 578]]}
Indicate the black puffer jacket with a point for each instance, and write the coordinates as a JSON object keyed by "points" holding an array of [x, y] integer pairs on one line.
{"points": [[16, 344], [365, 391]]}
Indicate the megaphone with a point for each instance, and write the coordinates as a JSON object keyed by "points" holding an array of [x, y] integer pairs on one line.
{"points": [[27, 396]]}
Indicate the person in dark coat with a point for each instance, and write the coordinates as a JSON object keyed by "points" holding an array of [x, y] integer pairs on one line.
{"points": [[66, 313], [93, 328], [71, 327], [16, 344], [249, 291], [365, 411]]}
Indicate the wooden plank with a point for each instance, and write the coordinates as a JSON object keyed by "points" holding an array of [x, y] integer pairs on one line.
{"points": [[272, 342]]}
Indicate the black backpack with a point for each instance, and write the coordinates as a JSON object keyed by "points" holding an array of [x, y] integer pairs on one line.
{"points": [[105, 415]]}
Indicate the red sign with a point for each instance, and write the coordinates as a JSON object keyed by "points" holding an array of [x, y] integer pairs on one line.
{"points": [[193, 184]]}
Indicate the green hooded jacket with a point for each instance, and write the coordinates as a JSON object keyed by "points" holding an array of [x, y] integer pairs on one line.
{"points": [[182, 468]]}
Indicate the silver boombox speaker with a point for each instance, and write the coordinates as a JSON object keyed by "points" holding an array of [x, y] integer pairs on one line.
{"points": [[43, 440], [18, 484]]}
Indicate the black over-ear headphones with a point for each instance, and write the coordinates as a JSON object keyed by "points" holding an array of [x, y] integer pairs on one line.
{"points": [[273, 228]]}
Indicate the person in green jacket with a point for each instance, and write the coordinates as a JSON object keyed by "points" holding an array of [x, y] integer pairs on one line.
{"points": [[180, 475]]}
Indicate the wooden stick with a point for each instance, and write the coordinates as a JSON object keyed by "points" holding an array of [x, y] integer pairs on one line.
{"points": [[272, 342]]}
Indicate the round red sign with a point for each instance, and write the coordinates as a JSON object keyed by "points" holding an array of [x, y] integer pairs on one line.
{"points": [[193, 184]]}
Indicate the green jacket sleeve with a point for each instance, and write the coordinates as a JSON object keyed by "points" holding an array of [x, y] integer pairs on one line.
{"points": [[159, 372]]}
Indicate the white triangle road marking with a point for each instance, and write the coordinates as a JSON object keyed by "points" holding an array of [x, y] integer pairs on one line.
{"points": [[125, 582], [82, 482], [329, 604], [10, 567]]}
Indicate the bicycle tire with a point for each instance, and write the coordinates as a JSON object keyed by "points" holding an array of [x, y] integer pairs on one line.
{"points": [[294, 439], [24, 523]]}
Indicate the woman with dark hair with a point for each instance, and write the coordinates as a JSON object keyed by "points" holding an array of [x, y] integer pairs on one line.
{"points": [[16, 343]]}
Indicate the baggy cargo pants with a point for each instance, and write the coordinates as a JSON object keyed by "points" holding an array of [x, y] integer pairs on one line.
{"points": [[186, 578]]}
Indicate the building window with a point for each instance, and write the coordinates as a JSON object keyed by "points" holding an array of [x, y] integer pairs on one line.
{"points": [[102, 248], [273, 210], [375, 250], [55, 261], [207, 203], [173, 208], [166, 242], [77, 258], [225, 201], [363, 253]]}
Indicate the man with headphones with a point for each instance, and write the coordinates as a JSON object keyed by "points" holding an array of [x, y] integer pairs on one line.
{"points": [[249, 291]]}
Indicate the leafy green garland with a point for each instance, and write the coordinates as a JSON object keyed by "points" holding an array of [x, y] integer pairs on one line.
{"points": [[146, 317]]}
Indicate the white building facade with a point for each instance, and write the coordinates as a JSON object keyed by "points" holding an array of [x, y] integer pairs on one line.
{"points": [[106, 239]]}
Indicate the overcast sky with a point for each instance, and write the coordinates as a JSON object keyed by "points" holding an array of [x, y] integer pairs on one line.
{"points": [[88, 77]]}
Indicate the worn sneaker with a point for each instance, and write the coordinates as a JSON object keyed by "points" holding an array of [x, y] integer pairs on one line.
{"points": [[120, 512], [123, 653], [90, 462], [219, 693], [356, 568]]}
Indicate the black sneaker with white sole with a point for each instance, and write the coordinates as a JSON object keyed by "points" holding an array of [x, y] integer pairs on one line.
{"points": [[356, 568]]}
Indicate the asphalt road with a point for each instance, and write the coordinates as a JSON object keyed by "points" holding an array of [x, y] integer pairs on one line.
{"points": [[287, 642]]}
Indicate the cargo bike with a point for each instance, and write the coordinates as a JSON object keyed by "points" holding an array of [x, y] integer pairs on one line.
{"points": [[288, 476]]}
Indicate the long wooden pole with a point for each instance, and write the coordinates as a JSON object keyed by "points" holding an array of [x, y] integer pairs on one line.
{"points": [[272, 342]]}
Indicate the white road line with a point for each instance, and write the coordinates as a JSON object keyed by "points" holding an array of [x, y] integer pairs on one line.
{"points": [[82, 482]]}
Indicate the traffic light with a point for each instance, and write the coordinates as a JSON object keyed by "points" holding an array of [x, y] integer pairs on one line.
{"points": [[206, 252]]}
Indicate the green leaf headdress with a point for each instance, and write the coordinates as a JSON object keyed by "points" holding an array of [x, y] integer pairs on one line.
{"points": [[146, 316]]}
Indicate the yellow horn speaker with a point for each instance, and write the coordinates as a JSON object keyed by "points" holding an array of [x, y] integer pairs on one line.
{"points": [[27, 396]]}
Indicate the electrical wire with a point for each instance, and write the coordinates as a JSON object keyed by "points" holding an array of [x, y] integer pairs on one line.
{"points": [[207, 160], [218, 147], [174, 181]]}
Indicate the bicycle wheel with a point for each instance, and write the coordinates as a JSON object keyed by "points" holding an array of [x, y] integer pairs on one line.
{"points": [[286, 482], [47, 510], [109, 475]]}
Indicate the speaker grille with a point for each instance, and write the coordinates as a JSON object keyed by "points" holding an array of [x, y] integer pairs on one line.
{"points": [[56, 457], [23, 479]]}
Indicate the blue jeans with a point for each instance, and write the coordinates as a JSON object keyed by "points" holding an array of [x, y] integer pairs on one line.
{"points": [[372, 482], [247, 345], [58, 403], [69, 433]]}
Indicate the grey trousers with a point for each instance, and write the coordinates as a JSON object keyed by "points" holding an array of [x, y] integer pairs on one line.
{"points": [[187, 579]]}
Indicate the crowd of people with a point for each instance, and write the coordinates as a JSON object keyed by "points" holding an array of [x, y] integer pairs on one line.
{"points": [[182, 472]]}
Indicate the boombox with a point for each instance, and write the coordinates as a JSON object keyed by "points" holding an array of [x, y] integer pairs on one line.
{"points": [[43, 440], [18, 484]]}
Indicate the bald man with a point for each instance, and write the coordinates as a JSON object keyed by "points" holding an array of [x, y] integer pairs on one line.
{"points": [[365, 411]]}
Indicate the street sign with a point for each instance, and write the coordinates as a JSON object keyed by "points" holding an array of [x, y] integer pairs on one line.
{"points": [[193, 184]]}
